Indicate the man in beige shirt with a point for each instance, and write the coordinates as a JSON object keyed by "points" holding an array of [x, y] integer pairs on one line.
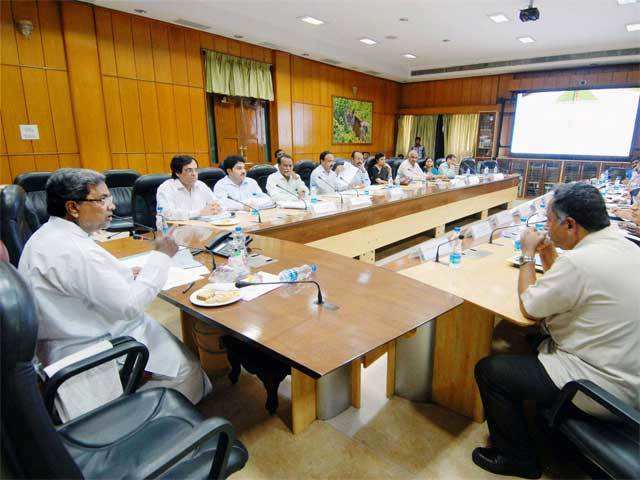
{"points": [[589, 304]]}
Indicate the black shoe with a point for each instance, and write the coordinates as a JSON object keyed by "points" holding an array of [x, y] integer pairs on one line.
{"points": [[493, 461]]}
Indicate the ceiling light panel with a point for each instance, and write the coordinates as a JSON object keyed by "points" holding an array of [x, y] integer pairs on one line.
{"points": [[410, 56], [633, 27], [368, 41], [626, 2], [499, 18], [526, 39], [311, 20]]}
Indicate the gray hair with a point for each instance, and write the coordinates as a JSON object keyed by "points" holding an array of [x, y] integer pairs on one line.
{"points": [[583, 203], [69, 184]]}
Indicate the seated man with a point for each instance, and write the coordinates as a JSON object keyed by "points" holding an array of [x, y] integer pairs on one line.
{"points": [[449, 167], [409, 170], [588, 304], [184, 196], [285, 185], [84, 294], [354, 172], [324, 178], [238, 192]]}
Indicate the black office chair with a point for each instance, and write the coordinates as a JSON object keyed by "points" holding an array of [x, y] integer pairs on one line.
{"points": [[437, 162], [336, 162], [617, 173], [421, 163], [613, 446], [153, 433], [17, 223], [260, 173], [468, 164], [304, 169], [120, 183], [33, 183], [395, 165], [144, 198], [490, 164], [210, 176]]}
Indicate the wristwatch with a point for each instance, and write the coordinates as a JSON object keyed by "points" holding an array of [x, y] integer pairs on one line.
{"points": [[527, 259]]}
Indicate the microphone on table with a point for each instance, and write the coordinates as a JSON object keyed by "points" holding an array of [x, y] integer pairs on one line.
{"points": [[458, 237], [501, 228], [306, 207], [529, 219], [139, 226], [319, 301], [251, 209], [332, 188]]}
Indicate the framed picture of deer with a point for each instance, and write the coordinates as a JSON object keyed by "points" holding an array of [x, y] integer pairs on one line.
{"points": [[352, 121]]}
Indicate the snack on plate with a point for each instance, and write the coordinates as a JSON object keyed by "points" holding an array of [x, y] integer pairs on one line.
{"points": [[210, 295]]}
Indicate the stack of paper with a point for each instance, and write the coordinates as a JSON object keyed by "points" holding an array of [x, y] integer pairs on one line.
{"points": [[178, 275]]}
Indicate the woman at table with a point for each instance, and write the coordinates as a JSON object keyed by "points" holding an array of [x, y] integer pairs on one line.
{"points": [[430, 168], [379, 171]]}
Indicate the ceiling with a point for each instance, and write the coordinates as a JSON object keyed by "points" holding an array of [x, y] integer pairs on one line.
{"points": [[565, 27]]}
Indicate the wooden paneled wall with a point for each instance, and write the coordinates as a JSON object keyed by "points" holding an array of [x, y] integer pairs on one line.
{"points": [[107, 89], [304, 91]]}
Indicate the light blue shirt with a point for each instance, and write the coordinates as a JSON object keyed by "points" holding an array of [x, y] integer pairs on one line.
{"points": [[360, 178], [445, 170], [245, 192], [327, 182]]}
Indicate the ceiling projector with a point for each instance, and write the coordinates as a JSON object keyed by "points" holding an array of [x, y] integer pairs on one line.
{"points": [[530, 14]]}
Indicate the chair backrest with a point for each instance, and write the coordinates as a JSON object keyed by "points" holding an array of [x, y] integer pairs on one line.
{"points": [[144, 198], [260, 173], [617, 172], [468, 164], [31, 447], [17, 223], [33, 183], [395, 165], [490, 164], [437, 162], [336, 162], [421, 163], [304, 169], [120, 183], [210, 176]]}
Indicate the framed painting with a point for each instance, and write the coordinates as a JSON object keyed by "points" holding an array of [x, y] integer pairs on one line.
{"points": [[352, 121]]}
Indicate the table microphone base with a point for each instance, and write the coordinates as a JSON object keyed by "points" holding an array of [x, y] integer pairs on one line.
{"points": [[327, 305]]}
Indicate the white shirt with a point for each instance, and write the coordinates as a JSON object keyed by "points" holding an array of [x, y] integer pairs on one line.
{"points": [[293, 184], [406, 171], [354, 176], [248, 192], [590, 300], [178, 203], [328, 182], [83, 294]]}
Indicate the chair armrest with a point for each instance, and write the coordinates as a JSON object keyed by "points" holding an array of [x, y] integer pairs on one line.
{"points": [[616, 406], [137, 357], [202, 433]]}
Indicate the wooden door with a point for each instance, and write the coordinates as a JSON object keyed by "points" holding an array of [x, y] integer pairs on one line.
{"points": [[240, 128]]}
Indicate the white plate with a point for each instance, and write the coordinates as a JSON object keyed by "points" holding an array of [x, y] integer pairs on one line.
{"points": [[193, 298], [225, 222]]}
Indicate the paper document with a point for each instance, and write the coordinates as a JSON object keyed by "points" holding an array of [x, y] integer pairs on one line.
{"points": [[87, 390], [177, 275], [254, 291], [293, 204]]}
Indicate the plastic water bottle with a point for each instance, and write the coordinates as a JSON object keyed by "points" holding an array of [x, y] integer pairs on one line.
{"points": [[455, 257], [297, 274], [239, 259], [486, 171], [161, 222], [314, 193], [390, 182], [495, 169], [397, 181]]}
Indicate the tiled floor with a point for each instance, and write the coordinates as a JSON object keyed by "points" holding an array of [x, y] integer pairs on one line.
{"points": [[392, 438]]}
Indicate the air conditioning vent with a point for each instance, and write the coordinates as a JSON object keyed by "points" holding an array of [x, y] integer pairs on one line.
{"points": [[190, 24]]}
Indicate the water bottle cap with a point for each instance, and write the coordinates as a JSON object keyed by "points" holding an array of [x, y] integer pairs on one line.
{"points": [[293, 275], [523, 218], [457, 229], [238, 229], [314, 267], [158, 208]]}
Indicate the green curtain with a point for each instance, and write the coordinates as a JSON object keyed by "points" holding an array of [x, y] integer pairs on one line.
{"points": [[404, 140], [424, 126], [460, 134], [239, 77]]}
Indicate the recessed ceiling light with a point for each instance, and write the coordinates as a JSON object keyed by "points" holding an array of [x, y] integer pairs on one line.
{"points": [[404, 19], [526, 39], [499, 17], [238, 36], [633, 27], [391, 37], [368, 41], [140, 11], [410, 56], [311, 20], [626, 2]]}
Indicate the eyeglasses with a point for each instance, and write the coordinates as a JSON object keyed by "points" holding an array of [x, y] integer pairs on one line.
{"points": [[102, 201]]}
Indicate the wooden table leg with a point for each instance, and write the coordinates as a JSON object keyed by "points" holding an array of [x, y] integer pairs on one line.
{"points": [[303, 401], [356, 383], [391, 368], [463, 337], [186, 325]]}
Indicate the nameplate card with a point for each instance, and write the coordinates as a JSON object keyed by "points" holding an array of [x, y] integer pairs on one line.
{"points": [[455, 183], [479, 230], [358, 201], [429, 249], [473, 180], [323, 207], [498, 176], [395, 193], [505, 218]]}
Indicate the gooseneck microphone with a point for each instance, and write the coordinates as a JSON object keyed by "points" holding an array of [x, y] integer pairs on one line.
{"points": [[138, 226], [501, 228], [332, 188], [319, 301], [251, 209], [306, 207], [458, 237]]}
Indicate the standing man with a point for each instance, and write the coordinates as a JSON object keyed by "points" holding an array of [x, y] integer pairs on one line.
{"points": [[236, 188], [324, 178], [419, 148], [85, 295], [588, 300], [409, 170], [285, 179], [183, 196], [354, 173]]}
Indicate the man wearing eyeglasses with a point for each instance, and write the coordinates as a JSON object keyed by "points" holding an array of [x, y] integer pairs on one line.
{"points": [[84, 294]]}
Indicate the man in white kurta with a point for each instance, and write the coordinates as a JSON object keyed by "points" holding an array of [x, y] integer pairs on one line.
{"points": [[324, 179], [409, 170], [84, 294], [238, 192], [285, 185]]}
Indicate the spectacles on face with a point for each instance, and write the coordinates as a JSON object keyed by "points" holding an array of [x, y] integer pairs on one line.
{"points": [[102, 201]]}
